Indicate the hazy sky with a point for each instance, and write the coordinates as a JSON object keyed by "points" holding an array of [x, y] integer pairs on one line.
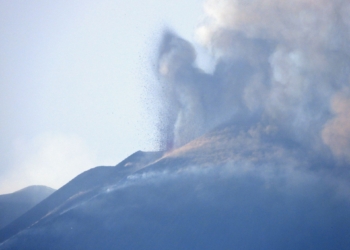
{"points": [[75, 78]]}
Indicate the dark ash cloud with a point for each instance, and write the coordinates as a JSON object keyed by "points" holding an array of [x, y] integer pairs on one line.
{"points": [[283, 65]]}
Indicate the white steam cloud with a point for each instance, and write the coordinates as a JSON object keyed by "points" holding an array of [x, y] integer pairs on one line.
{"points": [[279, 64]]}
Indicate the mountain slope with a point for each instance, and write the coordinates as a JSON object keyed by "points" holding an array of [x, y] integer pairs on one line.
{"points": [[216, 192], [81, 187], [15, 204]]}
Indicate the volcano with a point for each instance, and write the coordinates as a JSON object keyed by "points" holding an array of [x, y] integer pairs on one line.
{"points": [[257, 143], [215, 192]]}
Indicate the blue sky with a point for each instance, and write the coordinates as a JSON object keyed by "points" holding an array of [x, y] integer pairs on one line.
{"points": [[76, 83]]}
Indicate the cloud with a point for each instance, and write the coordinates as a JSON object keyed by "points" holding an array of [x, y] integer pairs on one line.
{"points": [[50, 159], [336, 133], [278, 64]]}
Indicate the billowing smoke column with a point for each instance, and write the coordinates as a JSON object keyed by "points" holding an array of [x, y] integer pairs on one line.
{"points": [[281, 64]]}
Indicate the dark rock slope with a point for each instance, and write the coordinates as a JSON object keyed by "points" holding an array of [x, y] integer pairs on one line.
{"points": [[229, 189], [15, 204]]}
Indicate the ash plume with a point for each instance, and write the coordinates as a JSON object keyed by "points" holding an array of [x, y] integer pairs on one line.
{"points": [[279, 65]]}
